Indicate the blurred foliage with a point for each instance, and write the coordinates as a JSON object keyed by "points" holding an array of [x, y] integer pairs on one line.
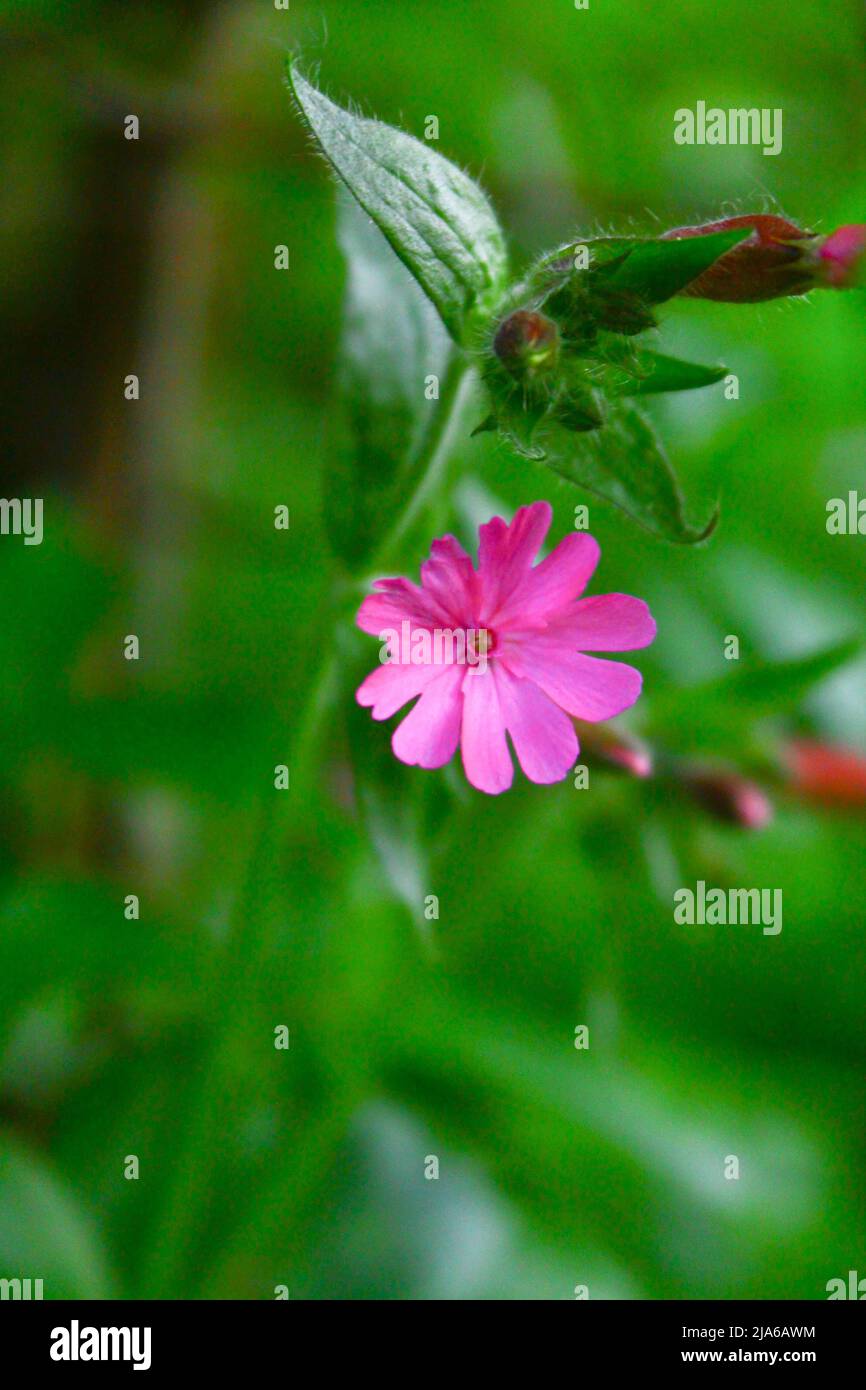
{"points": [[455, 1037]]}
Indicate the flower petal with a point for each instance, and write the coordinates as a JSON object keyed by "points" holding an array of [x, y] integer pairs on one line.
{"points": [[543, 736], [605, 623], [396, 601], [486, 759], [506, 553], [584, 686], [450, 579], [429, 734], [392, 685], [559, 579]]}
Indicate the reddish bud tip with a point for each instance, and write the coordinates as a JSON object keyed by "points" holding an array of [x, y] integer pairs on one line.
{"points": [[830, 775], [729, 796], [632, 759], [843, 257], [618, 749], [526, 342]]}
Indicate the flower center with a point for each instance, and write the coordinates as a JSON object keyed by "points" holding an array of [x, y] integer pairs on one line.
{"points": [[481, 644]]}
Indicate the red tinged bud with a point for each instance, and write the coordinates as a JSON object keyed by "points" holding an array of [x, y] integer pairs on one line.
{"points": [[729, 797], [832, 776], [526, 342], [777, 259]]}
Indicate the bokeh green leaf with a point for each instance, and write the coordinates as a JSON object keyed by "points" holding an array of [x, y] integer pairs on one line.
{"points": [[394, 353], [44, 1231]]}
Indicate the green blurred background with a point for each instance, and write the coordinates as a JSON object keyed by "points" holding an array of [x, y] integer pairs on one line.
{"points": [[409, 1038]]}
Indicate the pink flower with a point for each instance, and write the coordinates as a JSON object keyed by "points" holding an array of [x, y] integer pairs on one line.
{"points": [[524, 673]]}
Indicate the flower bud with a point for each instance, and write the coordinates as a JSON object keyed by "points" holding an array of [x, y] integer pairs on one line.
{"points": [[728, 796], [777, 259], [617, 749], [832, 776], [526, 342], [843, 257]]}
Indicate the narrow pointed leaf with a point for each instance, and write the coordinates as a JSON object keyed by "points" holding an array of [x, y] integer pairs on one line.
{"points": [[437, 220], [656, 270], [660, 373]]}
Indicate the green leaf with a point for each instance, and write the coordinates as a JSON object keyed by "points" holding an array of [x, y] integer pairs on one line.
{"points": [[437, 220], [518, 420], [44, 1233], [624, 463], [660, 373], [656, 270], [768, 687], [718, 714], [392, 341], [764, 687], [557, 267]]}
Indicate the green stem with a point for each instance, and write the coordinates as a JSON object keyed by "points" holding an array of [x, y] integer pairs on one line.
{"points": [[457, 390], [167, 1268]]}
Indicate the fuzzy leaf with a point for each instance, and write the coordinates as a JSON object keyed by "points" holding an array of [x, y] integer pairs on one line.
{"points": [[660, 373], [517, 424], [656, 270], [437, 220], [624, 463], [392, 341]]}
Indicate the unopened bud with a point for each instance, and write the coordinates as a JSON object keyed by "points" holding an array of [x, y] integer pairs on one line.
{"points": [[617, 749], [828, 774], [728, 796], [526, 342], [777, 259]]}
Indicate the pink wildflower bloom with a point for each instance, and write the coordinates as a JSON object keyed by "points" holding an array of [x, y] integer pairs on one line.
{"points": [[531, 628]]}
